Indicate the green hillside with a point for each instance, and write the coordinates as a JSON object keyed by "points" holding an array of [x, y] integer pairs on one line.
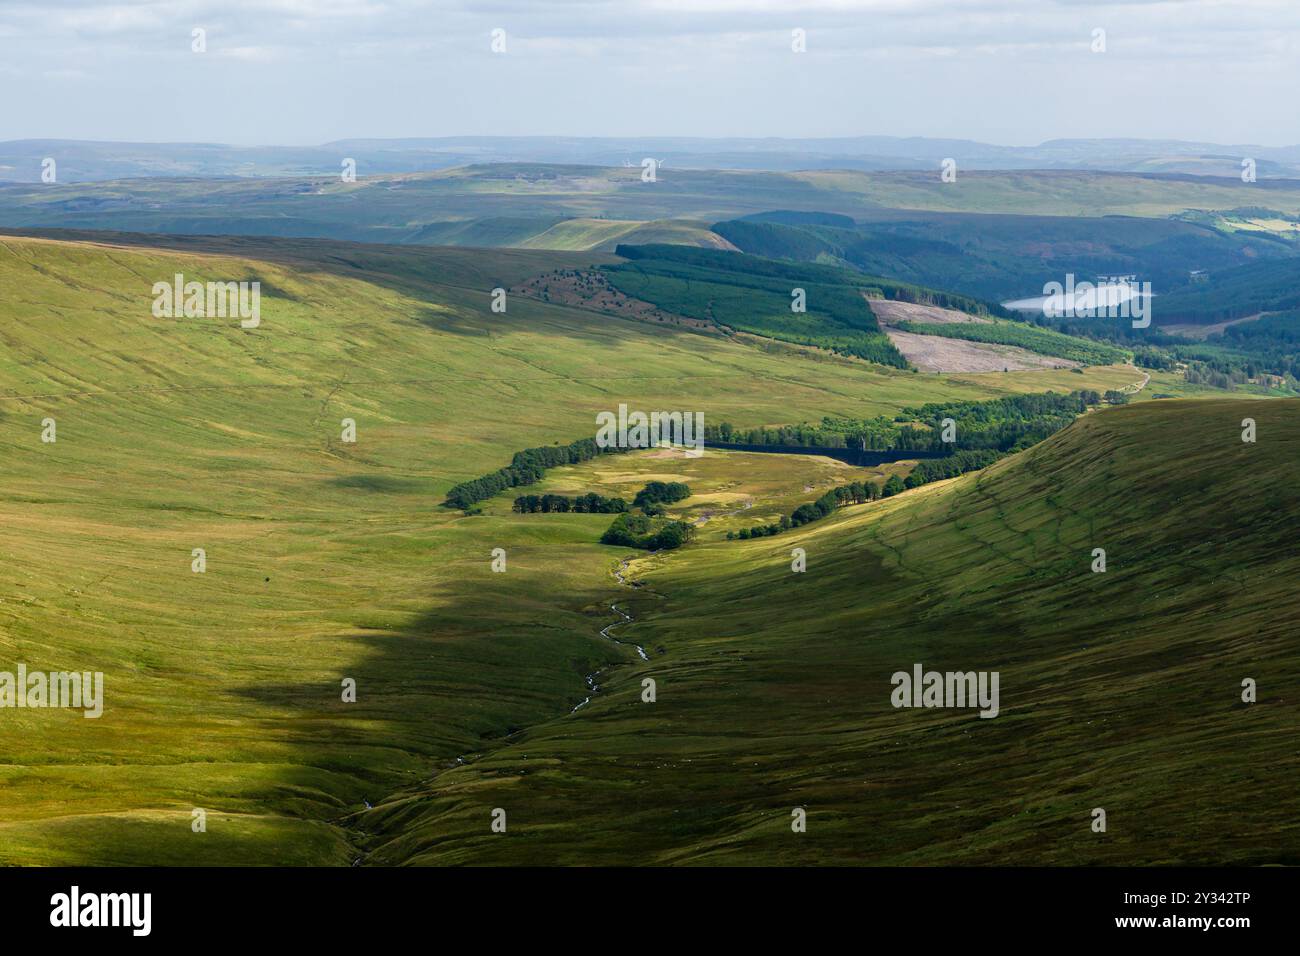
{"points": [[754, 294], [1234, 293], [750, 294], [998, 256], [1119, 690], [325, 559]]}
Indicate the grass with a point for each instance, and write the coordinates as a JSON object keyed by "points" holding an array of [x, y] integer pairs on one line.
{"points": [[729, 490], [1119, 690], [326, 560]]}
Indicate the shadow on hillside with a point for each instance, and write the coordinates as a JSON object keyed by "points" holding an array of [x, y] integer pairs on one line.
{"points": [[452, 682]]}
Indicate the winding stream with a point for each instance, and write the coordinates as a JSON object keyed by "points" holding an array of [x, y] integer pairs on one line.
{"points": [[625, 618]]}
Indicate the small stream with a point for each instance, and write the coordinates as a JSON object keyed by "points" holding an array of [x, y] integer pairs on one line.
{"points": [[592, 686]]}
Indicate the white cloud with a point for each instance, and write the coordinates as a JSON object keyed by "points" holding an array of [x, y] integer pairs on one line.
{"points": [[254, 54], [986, 69]]}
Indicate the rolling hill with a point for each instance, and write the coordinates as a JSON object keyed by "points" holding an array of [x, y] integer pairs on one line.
{"points": [[83, 160], [503, 204], [999, 257]]}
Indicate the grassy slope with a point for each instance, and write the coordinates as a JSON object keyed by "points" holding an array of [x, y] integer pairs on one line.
{"points": [[1119, 690], [325, 559]]}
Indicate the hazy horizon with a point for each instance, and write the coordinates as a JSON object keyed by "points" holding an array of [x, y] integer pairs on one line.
{"points": [[793, 140]]}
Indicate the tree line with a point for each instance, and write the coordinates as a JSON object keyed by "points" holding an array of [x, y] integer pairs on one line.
{"points": [[1005, 424], [859, 492], [590, 503], [525, 468]]}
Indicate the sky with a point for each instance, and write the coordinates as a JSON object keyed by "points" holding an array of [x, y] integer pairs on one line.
{"points": [[302, 72]]}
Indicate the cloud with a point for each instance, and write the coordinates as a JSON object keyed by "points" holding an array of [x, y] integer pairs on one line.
{"points": [[251, 54], [1198, 69]]}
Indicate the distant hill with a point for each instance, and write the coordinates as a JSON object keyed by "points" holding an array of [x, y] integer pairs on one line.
{"points": [[1001, 257], [995, 234], [88, 160]]}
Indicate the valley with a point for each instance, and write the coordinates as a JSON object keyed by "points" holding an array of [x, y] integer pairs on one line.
{"points": [[325, 560], [1105, 703], [357, 673], [854, 441]]}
